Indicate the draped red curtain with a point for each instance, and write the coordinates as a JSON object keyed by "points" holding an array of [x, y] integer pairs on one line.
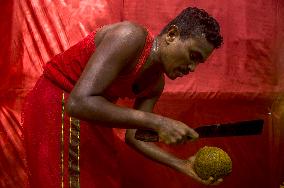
{"points": [[241, 80]]}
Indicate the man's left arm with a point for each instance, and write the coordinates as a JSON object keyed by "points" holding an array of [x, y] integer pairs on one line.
{"points": [[155, 153], [150, 150]]}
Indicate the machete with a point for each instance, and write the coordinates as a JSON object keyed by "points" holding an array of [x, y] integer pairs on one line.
{"points": [[241, 128]]}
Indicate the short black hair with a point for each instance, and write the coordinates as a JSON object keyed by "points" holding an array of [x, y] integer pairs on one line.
{"points": [[194, 22]]}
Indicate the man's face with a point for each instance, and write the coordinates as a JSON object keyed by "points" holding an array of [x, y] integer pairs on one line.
{"points": [[180, 57]]}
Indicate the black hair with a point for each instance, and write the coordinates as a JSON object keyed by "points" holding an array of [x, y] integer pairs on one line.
{"points": [[194, 22]]}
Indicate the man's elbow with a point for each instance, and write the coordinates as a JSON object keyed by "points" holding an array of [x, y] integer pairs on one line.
{"points": [[72, 106]]}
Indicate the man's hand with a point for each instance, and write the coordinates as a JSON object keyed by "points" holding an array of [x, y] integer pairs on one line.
{"points": [[174, 132], [186, 167]]}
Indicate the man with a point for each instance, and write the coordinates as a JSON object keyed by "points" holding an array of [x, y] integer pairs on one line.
{"points": [[117, 61]]}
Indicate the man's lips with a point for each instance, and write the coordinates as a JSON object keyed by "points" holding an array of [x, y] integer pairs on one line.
{"points": [[180, 73], [184, 71]]}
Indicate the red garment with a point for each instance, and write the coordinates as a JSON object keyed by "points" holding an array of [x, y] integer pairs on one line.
{"points": [[44, 127]]}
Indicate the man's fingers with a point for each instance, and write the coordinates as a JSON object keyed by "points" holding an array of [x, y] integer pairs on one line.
{"points": [[188, 133], [178, 135], [170, 139], [182, 131], [191, 159], [192, 133], [220, 180], [217, 182], [176, 138]]}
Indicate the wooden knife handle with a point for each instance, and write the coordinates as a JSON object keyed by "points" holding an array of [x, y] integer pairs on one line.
{"points": [[147, 135]]}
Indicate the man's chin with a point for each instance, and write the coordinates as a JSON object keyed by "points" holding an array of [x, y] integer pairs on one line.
{"points": [[172, 77]]}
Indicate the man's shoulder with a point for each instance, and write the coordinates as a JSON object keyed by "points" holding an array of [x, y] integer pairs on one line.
{"points": [[130, 28]]}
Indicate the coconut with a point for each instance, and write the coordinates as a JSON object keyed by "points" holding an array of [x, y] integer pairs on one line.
{"points": [[212, 162]]}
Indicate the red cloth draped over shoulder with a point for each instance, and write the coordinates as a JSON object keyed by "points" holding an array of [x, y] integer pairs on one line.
{"points": [[44, 118], [65, 68]]}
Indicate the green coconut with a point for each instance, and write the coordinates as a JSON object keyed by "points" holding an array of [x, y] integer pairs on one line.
{"points": [[212, 162]]}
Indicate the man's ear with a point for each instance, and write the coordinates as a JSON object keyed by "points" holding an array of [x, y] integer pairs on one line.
{"points": [[172, 33]]}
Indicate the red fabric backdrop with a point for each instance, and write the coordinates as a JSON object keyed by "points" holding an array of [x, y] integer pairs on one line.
{"points": [[240, 81]]}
